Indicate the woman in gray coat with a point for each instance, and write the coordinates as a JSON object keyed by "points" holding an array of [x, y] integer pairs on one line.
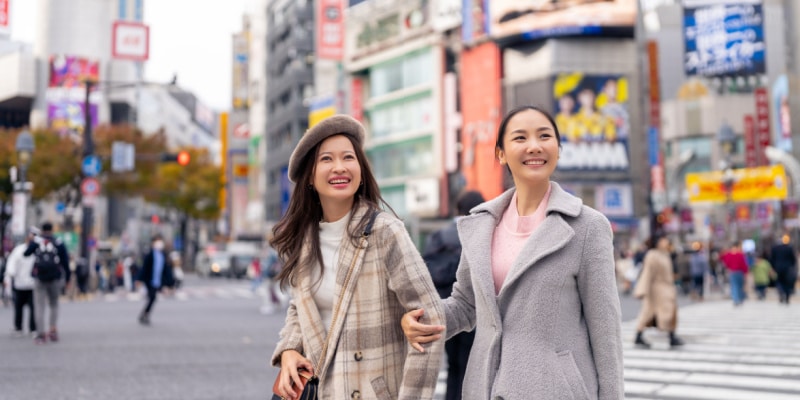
{"points": [[536, 281]]}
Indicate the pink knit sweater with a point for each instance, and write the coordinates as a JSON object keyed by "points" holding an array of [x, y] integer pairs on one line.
{"points": [[510, 236]]}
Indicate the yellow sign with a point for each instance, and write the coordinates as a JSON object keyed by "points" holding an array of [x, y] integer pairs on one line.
{"points": [[748, 185]]}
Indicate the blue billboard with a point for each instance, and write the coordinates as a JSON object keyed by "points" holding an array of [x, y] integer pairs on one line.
{"points": [[723, 37]]}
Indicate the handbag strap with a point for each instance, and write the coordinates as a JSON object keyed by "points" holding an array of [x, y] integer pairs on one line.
{"points": [[362, 245]]}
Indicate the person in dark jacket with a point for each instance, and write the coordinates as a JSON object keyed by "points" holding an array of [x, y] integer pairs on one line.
{"points": [[48, 285], [784, 262], [156, 273], [441, 254]]}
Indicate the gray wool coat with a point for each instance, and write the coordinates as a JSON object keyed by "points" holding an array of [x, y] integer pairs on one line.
{"points": [[554, 330]]}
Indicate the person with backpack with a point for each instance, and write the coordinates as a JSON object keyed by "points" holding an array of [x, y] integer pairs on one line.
{"points": [[50, 272], [441, 254]]}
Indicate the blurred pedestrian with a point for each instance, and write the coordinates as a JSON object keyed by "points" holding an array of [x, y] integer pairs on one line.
{"points": [[736, 263], [270, 269], [441, 254], [698, 267], [784, 261], [762, 275], [353, 271], [156, 274], [536, 281], [254, 273], [656, 288], [50, 272], [19, 281]]}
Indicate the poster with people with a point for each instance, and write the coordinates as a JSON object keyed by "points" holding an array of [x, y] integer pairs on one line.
{"points": [[592, 116], [66, 92]]}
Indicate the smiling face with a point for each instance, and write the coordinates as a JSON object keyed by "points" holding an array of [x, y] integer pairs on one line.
{"points": [[529, 148], [337, 173]]}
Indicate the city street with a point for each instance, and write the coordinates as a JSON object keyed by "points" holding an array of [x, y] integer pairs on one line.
{"points": [[209, 341]]}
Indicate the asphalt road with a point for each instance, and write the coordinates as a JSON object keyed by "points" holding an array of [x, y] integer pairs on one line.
{"points": [[207, 342]]}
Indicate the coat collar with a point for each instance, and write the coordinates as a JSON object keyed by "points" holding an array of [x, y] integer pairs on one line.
{"points": [[477, 231]]}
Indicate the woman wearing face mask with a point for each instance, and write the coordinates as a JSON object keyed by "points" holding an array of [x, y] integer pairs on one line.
{"points": [[155, 274], [536, 280]]}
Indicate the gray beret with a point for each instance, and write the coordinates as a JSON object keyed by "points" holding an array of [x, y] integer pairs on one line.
{"points": [[335, 125]]}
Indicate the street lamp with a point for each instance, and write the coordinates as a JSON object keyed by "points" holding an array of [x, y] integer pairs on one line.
{"points": [[24, 147]]}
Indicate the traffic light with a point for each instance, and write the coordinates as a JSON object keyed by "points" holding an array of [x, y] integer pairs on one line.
{"points": [[181, 157]]}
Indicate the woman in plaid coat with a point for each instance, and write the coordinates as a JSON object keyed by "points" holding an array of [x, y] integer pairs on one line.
{"points": [[348, 289]]}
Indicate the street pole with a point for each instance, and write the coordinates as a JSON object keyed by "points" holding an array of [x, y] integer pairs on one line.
{"points": [[87, 220]]}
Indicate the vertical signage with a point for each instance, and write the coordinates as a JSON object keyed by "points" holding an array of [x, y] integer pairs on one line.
{"points": [[5, 18], [750, 151], [656, 161], [330, 32], [762, 124], [481, 109], [357, 99]]}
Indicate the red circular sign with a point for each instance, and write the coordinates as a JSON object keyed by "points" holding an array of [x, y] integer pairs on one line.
{"points": [[90, 187]]}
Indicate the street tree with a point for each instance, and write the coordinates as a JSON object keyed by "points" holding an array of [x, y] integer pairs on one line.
{"points": [[149, 149]]}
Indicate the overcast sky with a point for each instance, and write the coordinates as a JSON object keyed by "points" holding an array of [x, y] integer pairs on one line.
{"points": [[190, 38]]}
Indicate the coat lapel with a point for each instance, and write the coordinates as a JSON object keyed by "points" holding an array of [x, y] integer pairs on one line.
{"points": [[552, 235], [350, 254]]}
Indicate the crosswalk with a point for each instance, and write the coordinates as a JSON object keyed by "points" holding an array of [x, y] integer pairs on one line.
{"points": [[751, 352], [731, 353], [186, 293]]}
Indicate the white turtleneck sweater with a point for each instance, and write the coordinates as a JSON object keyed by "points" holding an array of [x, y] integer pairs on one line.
{"points": [[331, 235]]}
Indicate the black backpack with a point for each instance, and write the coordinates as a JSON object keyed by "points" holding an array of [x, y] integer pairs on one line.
{"points": [[47, 263]]}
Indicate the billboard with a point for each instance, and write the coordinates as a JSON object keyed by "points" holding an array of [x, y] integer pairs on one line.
{"points": [[749, 184], [481, 109], [723, 37], [474, 23], [71, 71], [330, 32], [591, 112], [534, 19], [66, 92], [320, 108], [782, 114]]}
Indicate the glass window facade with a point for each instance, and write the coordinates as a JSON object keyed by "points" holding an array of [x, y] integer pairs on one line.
{"points": [[402, 159], [402, 116], [396, 197], [409, 71]]}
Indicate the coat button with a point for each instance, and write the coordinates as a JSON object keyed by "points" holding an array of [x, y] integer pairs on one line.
{"points": [[355, 395], [358, 356]]}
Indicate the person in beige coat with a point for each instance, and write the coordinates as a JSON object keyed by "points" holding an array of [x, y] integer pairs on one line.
{"points": [[656, 288], [537, 282], [353, 271]]}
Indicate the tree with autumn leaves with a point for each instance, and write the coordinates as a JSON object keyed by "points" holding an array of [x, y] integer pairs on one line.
{"points": [[191, 190]]}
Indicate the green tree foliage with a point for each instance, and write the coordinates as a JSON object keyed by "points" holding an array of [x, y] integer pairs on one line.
{"points": [[54, 166], [192, 189]]}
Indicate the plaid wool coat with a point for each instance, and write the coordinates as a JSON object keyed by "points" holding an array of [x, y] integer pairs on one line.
{"points": [[368, 355]]}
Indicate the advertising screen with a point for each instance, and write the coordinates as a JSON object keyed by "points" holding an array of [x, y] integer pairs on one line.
{"points": [[591, 112], [723, 37], [533, 19]]}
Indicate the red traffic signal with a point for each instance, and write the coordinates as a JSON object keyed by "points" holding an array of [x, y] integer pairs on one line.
{"points": [[183, 158]]}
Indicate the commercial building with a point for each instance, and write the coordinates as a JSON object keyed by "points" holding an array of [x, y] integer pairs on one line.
{"points": [[289, 81]]}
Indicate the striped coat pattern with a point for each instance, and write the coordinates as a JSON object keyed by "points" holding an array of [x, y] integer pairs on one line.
{"points": [[368, 356]]}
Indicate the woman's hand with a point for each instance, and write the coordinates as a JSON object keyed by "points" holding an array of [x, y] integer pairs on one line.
{"points": [[418, 333], [291, 362]]}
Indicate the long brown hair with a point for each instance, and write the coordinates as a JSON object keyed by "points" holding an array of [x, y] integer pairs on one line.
{"points": [[300, 225]]}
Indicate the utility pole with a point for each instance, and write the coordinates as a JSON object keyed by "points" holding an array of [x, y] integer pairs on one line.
{"points": [[87, 221]]}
